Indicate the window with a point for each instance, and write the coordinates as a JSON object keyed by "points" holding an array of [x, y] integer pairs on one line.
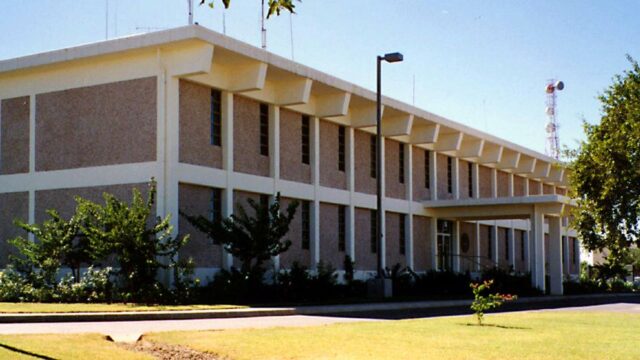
{"points": [[373, 151], [402, 238], [306, 221], [264, 129], [522, 244], [341, 148], [490, 242], [449, 176], [216, 118], [306, 144], [215, 205], [342, 228], [374, 227], [506, 244], [427, 169], [401, 163], [470, 178]]}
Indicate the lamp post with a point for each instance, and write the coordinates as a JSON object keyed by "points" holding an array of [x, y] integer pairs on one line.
{"points": [[391, 58]]}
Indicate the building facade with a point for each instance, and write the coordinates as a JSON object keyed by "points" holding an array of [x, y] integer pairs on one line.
{"points": [[216, 121]]}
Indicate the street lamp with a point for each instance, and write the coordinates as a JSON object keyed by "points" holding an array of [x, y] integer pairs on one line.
{"points": [[391, 58]]}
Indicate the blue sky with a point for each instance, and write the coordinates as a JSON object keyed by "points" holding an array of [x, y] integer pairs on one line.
{"points": [[481, 63]]}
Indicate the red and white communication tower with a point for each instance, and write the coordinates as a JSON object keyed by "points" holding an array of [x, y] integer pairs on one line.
{"points": [[553, 141]]}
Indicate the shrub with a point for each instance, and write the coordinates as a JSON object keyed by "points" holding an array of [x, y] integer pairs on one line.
{"points": [[505, 282], [481, 303]]}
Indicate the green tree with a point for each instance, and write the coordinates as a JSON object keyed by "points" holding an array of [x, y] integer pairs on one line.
{"points": [[59, 242], [274, 6], [141, 245], [253, 239], [605, 176]]}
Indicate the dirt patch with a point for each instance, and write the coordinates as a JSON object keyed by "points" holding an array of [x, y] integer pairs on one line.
{"points": [[163, 351]]}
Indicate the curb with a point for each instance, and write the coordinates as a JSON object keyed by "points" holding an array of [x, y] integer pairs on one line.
{"points": [[548, 301]]}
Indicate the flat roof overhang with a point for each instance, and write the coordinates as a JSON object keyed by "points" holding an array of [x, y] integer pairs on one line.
{"points": [[515, 207]]}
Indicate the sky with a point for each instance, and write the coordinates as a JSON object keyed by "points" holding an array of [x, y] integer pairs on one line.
{"points": [[481, 63]]}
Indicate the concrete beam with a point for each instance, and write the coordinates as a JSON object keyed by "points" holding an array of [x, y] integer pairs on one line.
{"points": [[526, 165], [364, 116], [541, 169], [247, 78], [556, 173], [333, 105], [509, 161], [191, 59], [491, 154], [397, 125], [471, 148], [449, 142], [293, 92], [424, 134]]}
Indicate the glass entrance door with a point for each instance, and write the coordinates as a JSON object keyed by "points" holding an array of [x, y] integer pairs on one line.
{"points": [[444, 245]]}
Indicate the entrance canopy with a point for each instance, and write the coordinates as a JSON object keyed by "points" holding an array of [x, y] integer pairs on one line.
{"points": [[514, 207]]}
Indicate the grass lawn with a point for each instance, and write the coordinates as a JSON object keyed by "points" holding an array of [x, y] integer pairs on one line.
{"points": [[68, 346], [14, 308], [530, 335]]}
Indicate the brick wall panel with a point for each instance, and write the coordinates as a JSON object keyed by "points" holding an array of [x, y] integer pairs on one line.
{"points": [[195, 200], [330, 175], [99, 125], [421, 243], [485, 181], [394, 188], [291, 166], [13, 206], [420, 191], [443, 191], [518, 185], [195, 127], [365, 259], [246, 138], [329, 250], [392, 238], [503, 184], [364, 183], [14, 132]]}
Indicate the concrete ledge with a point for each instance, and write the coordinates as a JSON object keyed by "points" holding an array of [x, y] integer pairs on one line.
{"points": [[530, 302]]}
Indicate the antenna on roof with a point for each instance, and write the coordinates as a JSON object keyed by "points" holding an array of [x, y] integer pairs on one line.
{"points": [[263, 29], [224, 23], [106, 19], [190, 2]]}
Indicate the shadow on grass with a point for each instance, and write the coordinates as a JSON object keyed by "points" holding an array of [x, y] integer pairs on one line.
{"points": [[24, 352], [497, 326]]}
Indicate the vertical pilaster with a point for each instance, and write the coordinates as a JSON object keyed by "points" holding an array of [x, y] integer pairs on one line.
{"points": [[32, 212], [315, 209], [456, 246], [537, 249], [274, 146], [351, 210], [526, 187], [32, 134], [555, 256], [510, 185], [433, 175], [494, 183], [227, 165], [496, 244], [433, 229], [408, 162], [475, 174], [455, 177], [512, 246], [477, 245]]}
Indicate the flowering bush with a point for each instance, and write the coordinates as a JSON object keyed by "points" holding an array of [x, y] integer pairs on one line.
{"points": [[482, 303]]}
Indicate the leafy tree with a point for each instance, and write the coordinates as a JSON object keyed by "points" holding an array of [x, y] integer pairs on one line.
{"points": [[606, 171], [253, 239], [58, 243], [275, 6], [139, 243]]}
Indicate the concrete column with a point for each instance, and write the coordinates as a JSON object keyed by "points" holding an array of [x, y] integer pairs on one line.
{"points": [[526, 187], [456, 246], [455, 177], [494, 183], [477, 245], [32, 129], [408, 168], [555, 256], [566, 258], [433, 175], [351, 210], [537, 250], [315, 179], [512, 247], [227, 165], [496, 243], [527, 248], [274, 146], [433, 229], [475, 174], [510, 185]]}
